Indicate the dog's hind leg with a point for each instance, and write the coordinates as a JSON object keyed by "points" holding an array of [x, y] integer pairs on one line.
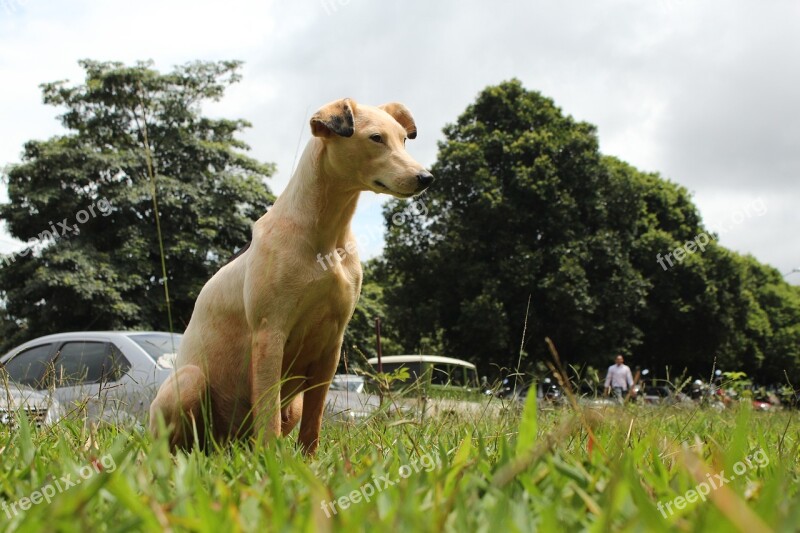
{"points": [[290, 414], [180, 402]]}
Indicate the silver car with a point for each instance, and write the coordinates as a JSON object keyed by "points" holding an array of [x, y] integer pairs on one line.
{"points": [[348, 401], [107, 376], [349, 382], [41, 409]]}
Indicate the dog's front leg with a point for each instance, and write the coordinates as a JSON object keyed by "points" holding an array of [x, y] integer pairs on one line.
{"points": [[316, 390], [267, 358]]}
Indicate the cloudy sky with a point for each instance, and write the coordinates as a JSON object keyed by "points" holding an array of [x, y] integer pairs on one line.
{"points": [[706, 93]]}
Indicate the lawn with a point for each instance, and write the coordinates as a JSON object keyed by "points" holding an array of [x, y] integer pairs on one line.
{"points": [[735, 470]]}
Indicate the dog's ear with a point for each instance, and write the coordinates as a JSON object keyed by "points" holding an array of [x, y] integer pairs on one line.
{"points": [[402, 115], [337, 117]]}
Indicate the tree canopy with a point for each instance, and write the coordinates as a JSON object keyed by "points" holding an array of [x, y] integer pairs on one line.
{"points": [[529, 232], [105, 271], [526, 206]]}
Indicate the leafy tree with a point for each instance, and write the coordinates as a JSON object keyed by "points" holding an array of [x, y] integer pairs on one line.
{"points": [[679, 322], [106, 274], [359, 338], [766, 322], [525, 206], [519, 209]]}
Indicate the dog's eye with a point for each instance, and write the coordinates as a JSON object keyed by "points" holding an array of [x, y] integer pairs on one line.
{"points": [[376, 138]]}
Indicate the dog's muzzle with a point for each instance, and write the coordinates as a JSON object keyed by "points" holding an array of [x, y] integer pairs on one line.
{"points": [[424, 180]]}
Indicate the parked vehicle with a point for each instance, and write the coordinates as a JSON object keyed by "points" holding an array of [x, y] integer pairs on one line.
{"points": [[661, 395], [763, 403], [104, 375], [548, 393], [438, 385], [433, 374], [509, 387], [348, 382], [41, 409], [706, 394], [347, 400]]}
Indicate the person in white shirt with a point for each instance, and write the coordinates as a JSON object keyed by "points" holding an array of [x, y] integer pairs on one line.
{"points": [[619, 379]]}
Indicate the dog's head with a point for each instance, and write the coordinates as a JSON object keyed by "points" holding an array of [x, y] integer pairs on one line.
{"points": [[365, 145]]}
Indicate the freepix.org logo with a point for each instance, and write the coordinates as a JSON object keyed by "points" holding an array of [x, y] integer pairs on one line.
{"points": [[63, 229], [756, 208], [417, 208], [713, 482], [65, 482], [368, 490]]}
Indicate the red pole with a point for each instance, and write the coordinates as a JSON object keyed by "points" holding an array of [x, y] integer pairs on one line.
{"points": [[378, 337], [380, 363]]}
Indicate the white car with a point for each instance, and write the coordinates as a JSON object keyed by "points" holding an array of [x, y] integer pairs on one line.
{"points": [[438, 385], [347, 400], [107, 376], [40, 409], [348, 382]]}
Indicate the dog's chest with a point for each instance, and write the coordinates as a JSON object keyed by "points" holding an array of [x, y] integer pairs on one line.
{"points": [[323, 313]]}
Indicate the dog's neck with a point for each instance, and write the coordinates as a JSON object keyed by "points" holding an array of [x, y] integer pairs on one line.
{"points": [[316, 203]]}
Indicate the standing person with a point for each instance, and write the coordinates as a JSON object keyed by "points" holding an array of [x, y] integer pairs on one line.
{"points": [[619, 379]]}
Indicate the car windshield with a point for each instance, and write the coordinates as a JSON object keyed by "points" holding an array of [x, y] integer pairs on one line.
{"points": [[159, 346], [453, 375], [352, 384], [441, 374], [414, 369]]}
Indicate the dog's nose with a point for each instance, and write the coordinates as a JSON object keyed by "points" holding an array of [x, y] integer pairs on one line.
{"points": [[425, 179]]}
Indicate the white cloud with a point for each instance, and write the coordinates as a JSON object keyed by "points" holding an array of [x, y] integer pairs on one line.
{"points": [[704, 92]]}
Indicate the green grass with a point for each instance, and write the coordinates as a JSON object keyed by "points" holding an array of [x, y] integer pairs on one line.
{"points": [[512, 473]]}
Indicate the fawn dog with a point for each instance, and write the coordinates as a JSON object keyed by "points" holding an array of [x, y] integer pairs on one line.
{"points": [[264, 340]]}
